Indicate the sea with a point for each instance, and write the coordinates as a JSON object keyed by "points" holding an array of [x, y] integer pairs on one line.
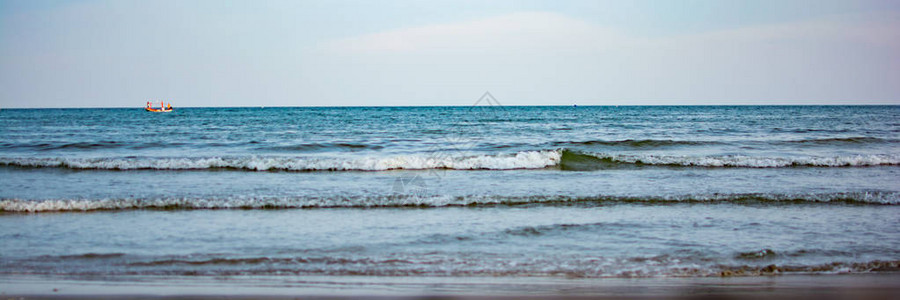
{"points": [[480, 191]]}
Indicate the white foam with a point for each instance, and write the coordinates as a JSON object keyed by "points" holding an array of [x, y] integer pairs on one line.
{"points": [[758, 162], [520, 160], [412, 200], [18, 205]]}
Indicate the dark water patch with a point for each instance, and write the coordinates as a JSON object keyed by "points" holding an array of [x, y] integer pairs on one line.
{"points": [[529, 231], [525, 232], [501, 145], [87, 145], [311, 147], [436, 131], [636, 144], [52, 146], [819, 252], [755, 255], [271, 260], [577, 161], [835, 267], [808, 130], [838, 141], [78, 257], [93, 256], [157, 145], [443, 239], [101, 145]]}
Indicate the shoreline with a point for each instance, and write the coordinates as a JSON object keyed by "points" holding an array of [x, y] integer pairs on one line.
{"points": [[833, 286]]}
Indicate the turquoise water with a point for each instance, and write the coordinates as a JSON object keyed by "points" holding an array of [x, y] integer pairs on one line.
{"points": [[451, 191]]}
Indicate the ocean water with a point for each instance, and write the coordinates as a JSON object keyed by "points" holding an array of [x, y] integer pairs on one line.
{"points": [[557, 192]]}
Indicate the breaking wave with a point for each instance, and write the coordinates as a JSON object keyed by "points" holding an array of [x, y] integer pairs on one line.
{"points": [[662, 266], [90, 146], [437, 265], [562, 158], [520, 160], [640, 144], [417, 201], [574, 160]]}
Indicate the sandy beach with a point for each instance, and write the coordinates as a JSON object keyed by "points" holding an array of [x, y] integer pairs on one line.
{"points": [[839, 286]]}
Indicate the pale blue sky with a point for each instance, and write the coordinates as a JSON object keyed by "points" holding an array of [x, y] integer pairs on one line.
{"points": [[343, 53]]}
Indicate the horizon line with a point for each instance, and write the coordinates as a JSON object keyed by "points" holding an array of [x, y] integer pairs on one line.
{"points": [[518, 105]]}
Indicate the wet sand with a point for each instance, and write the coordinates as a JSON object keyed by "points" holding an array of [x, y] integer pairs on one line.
{"points": [[839, 286]]}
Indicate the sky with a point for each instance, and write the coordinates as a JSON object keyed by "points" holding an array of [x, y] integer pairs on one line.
{"points": [[122, 53]]}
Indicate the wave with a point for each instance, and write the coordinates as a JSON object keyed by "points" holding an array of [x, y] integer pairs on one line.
{"points": [[561, 158], [322, 146], [65, 146], [437, 265], [273, 260], [832, 268], [579, 161], [93, 256], [102, 145], [632, 144], [417, 201], [637, 144], [645, 144], [555, 228], [520, 160], [840, 141], [662, 266]]}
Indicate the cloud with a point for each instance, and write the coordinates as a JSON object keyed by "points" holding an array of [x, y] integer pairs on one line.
{"points": [[549, 58], [523, 31], [871, 29], [541, 30]]}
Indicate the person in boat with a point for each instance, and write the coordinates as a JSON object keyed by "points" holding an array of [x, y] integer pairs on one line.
{"points": [[148, 104], [169, 107]]}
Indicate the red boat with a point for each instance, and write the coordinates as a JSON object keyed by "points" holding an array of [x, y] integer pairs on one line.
{"points": [[160, 109]]}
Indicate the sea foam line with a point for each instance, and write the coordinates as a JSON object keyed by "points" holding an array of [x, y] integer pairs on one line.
{"points": [[764, 162], [736, 161], [425, 201], [520, 160], [514, 161]]}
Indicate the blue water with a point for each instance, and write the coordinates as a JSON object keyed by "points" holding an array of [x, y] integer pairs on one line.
{"points": [[653, 191]]}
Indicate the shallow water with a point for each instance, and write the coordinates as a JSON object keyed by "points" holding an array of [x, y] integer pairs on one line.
{"points": [[451, 191]]}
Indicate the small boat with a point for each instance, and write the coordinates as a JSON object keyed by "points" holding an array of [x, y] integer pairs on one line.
{"points": [[158, 109], [162, 107]]}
